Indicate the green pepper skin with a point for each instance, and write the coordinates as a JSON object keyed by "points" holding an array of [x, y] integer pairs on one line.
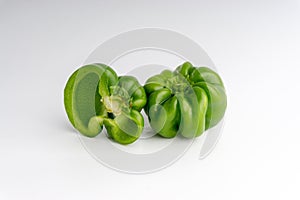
{"points": [[95, 96], [188, 101]]}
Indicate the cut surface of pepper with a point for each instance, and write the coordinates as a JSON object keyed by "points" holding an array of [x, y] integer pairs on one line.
{"points": [[95, 96]]}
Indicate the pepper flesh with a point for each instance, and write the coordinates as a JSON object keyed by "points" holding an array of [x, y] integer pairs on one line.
{"points": [[188, 101], [95, 96]]}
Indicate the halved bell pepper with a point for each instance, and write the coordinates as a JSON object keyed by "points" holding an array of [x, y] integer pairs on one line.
{"points": [[95, 96], [188, 101]]}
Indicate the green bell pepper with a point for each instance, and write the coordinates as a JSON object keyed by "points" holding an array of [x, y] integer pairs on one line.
{"points": [[188, 101], [95, 96]]}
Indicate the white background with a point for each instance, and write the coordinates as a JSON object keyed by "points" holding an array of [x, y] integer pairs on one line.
{"points": [[254, 44]]}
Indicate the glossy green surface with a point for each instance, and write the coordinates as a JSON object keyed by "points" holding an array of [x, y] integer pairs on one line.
{"points": [[188, 101]]}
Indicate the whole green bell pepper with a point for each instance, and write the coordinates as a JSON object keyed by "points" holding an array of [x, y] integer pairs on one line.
{"points": [[188, 101], [95, 96]]}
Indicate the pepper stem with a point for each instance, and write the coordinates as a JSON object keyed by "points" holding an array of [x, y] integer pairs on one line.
{"points": [[177, 84]]}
